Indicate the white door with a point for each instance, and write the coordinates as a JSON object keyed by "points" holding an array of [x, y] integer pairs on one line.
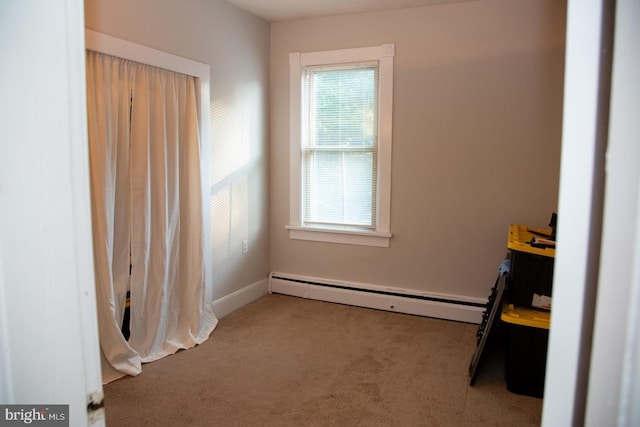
{"points": [[48, 329]]}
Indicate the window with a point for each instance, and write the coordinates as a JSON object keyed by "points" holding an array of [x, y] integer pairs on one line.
{"points": [[341, 145]]}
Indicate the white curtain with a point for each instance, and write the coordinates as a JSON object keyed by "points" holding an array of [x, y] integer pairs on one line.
{"points": [[147, 212]]}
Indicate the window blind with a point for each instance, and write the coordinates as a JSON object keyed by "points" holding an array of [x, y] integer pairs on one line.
{"points": [[340, 145]]}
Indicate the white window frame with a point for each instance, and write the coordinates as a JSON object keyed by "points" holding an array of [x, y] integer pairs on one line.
{"points": [[380, 237]]}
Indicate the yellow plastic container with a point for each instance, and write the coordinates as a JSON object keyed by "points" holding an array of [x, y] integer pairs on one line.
{"points": [[520, 237], [531, 276], [524, 316], [526, 339]]}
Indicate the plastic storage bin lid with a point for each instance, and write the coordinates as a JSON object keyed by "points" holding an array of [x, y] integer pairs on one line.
{"points": [[524, 316], [520, 237]]}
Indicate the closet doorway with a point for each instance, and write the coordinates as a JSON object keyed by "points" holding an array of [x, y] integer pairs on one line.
{"points": [[148, 146]]}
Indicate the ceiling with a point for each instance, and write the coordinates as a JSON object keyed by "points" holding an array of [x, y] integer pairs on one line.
{"points": [[287, 10]]}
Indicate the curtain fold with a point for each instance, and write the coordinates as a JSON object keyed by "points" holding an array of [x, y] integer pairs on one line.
{"points": [[147, 212]]}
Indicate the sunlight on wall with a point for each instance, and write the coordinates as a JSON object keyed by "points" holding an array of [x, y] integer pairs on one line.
{"points": [[228, 208], [230, 137], [220, 214], [234, 129]]}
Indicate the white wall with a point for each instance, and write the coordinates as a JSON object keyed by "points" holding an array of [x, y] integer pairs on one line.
{"points": [[48, 328], [235, 44], [476, 139]]}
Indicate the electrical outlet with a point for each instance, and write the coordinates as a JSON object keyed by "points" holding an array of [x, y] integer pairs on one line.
{"points": [[245, 246]]}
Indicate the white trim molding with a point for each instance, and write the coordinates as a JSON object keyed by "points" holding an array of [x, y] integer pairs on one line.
{"points": [[329, 235], [238, 299]]}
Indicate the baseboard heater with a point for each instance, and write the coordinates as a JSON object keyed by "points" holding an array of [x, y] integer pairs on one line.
{"points": [[399, 300]]}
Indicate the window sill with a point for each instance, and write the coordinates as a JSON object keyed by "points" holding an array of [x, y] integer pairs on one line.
{"points": [[331, 235]]}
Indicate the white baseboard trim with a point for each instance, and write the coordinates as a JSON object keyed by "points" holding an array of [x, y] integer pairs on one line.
{"points": [[400, 300], [238, 299]]}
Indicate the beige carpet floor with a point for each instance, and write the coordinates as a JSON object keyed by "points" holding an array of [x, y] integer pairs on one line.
{"points": [[286, 361]]}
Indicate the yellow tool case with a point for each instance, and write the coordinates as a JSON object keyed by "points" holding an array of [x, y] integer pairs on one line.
{"points": [[526, 332], [531, 277]]}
